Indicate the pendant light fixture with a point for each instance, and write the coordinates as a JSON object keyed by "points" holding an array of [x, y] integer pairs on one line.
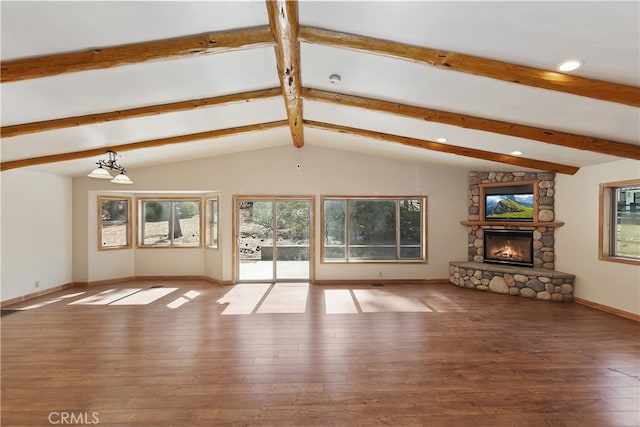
{"points": [[111, 163]]}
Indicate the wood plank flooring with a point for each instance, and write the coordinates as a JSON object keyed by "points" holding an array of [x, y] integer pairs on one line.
{"points": [[433, 355]]}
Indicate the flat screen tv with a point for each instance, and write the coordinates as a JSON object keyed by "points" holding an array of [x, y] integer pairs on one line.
{"points": [[509, 203]]}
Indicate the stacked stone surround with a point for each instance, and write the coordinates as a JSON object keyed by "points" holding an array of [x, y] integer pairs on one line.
{"points": [[543, 243], [546, 182], [541, 281], [536, 283], [543, 237]]}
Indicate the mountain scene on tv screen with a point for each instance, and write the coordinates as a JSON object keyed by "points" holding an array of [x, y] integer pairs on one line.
{"points": [[512, 206]]}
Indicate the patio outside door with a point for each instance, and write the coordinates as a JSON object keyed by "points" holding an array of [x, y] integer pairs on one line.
{"points": [[273, 240]]}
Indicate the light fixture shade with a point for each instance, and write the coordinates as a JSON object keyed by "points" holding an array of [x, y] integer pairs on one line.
{"points": [[121, 179], [111, 163], [100, 173]]}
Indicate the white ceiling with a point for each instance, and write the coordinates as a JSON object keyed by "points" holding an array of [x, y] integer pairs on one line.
{"points": [[605, 35]]}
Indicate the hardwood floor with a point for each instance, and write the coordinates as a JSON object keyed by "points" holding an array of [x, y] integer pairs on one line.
{"points": [[432, 355]]}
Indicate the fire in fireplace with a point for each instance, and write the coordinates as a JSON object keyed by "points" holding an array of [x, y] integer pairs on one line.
{"points": [[508, 247]]}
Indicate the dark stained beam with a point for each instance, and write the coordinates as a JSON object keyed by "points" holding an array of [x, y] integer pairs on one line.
{"points": [[548, 136], [283, 20], [513, 73], [183, 47], [91, 119], [446, 148], [13, 164]]}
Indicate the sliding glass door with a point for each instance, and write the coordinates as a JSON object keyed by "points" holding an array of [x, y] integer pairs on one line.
{"points": [[273, 239]]}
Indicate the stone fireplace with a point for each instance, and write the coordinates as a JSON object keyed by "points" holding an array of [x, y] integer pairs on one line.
{"points": [[508, 247], [512, 256]]}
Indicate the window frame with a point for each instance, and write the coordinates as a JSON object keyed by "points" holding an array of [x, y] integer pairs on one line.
{"points": [[607, 230], [129, 234], [348, 260], [141, 222], [210, 217]]}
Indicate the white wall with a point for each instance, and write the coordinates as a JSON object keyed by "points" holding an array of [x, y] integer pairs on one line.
{"points": [[273, 172], [36, 232], [170, 262], [81, 211], [609, 283]]}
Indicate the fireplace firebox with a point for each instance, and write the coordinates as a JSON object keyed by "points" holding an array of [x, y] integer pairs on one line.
{"points": [[508, 247]]}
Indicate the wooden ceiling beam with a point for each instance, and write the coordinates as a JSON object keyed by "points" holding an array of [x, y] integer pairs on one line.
{"points": [[446, 148], [92, 119], [283, 20], [13, 164], [564, 139], [283, 17], [513, 73], [183, 47]]}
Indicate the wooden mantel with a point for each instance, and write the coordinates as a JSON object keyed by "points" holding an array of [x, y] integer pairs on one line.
{"points": [[512, 223]]}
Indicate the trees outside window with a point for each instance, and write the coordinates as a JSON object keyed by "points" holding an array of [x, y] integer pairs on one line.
{"points": [[374, 229], [114, 229], [174, 223], [212, 221]]}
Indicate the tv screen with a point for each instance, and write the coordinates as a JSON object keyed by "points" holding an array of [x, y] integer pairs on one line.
{"points": [[510, 203]]}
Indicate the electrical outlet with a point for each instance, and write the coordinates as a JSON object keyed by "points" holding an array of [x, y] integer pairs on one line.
{"points": [[37, 284], [379, 273]]}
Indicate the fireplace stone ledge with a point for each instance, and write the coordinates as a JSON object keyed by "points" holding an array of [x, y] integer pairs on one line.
{"points": [[536, 283]]}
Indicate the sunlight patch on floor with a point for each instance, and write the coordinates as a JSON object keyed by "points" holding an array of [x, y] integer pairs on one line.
{"points": [[188, 296], [191, 294], [248, 298], [286, 298], [263, 298], [269, 298], [339, 301], [51, 301], [442, 304], [144, 297], [244, 298], [178, 302], [374, 300], [106, 297]]}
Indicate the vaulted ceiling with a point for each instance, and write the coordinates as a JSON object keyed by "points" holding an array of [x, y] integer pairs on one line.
{"points": [[161, 82]]}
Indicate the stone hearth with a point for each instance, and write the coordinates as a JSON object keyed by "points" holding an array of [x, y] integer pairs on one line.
{"points": [[537, 283]]}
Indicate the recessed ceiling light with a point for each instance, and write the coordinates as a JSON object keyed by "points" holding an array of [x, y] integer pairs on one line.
{"points": [[516, 153], [570, 65], [334, 79], [441, 139]]}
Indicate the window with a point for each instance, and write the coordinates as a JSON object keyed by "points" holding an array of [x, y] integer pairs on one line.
{"points": [[170, 223], [114, 231], [619, 237], [374, 229], [212, 223]]}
